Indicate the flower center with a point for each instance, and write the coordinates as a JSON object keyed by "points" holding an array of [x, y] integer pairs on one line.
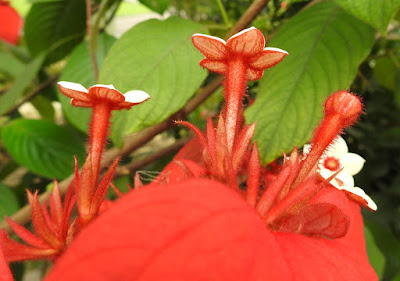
{"points": [[331, 163]]}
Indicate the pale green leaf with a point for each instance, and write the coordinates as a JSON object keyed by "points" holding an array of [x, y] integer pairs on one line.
{"points": [[20, 84], [377, 13], [157, 57], [326, 46], [79, 69], [55, 26]]}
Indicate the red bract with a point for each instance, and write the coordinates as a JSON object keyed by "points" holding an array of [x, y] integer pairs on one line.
{"points": [[201, 230], [54, 229], [5, 273], [10, 23]]}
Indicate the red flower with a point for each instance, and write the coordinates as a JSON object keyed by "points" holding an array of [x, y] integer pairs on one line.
{"points": [[201, 230], [10, 23], [246, 46], [103, 99]]}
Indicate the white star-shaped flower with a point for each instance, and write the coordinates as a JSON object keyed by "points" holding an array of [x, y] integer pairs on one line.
{"points": [[338, 160]]}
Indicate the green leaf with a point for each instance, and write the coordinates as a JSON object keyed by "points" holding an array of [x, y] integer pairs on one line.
{"points": [[377, 13], [397, 88], [44, 106], [387, 243], [57, 26], [43, 147], [385, 72], [79, 69], [397, 277], [158, 6], [10, 64], [326, 46], [157, 57], [20, 84], [8, 202], [376, 258]]}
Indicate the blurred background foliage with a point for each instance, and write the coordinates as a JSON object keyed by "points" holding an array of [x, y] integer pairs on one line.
{"points": [[333, 45]]}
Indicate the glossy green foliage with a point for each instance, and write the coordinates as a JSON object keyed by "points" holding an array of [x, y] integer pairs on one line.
{"points": [[79, 69], [377, 13], [43, 147], [326, 46], [156, 57], [55, 27]]}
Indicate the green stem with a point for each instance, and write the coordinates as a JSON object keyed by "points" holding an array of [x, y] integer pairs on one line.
{"points": [[223, 13]]}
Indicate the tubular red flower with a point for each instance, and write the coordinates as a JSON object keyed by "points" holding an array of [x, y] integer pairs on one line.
{"points": [[10, 23], [102, 99], [241, 58]]}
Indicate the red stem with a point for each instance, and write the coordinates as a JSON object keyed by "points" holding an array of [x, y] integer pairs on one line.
{"points": [[328, 130], [235, 86], [99, 125]]}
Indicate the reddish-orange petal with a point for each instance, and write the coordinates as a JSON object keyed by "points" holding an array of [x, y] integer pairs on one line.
{"points": [[248, 42], [215, 66], [107, 92], [268, 58], [318, 219], [74, 91], [211, 47], [252, 74], [80, 103]]}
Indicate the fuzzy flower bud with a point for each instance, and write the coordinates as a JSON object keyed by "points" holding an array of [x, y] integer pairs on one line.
{"points": [[345, 104]]}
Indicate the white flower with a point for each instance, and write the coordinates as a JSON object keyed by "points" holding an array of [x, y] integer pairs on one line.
{"points": [[338, 160]]}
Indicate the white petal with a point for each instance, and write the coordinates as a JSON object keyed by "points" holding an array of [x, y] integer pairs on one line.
{"points": [[359, 192], [111, 86], [136, 96], [72, 86], [352, 163], [275, 50], [243, 31], [346, 179], [338, 148]]}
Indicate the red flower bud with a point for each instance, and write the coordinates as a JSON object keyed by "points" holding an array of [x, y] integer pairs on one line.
{"points": [[345, 104]]}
